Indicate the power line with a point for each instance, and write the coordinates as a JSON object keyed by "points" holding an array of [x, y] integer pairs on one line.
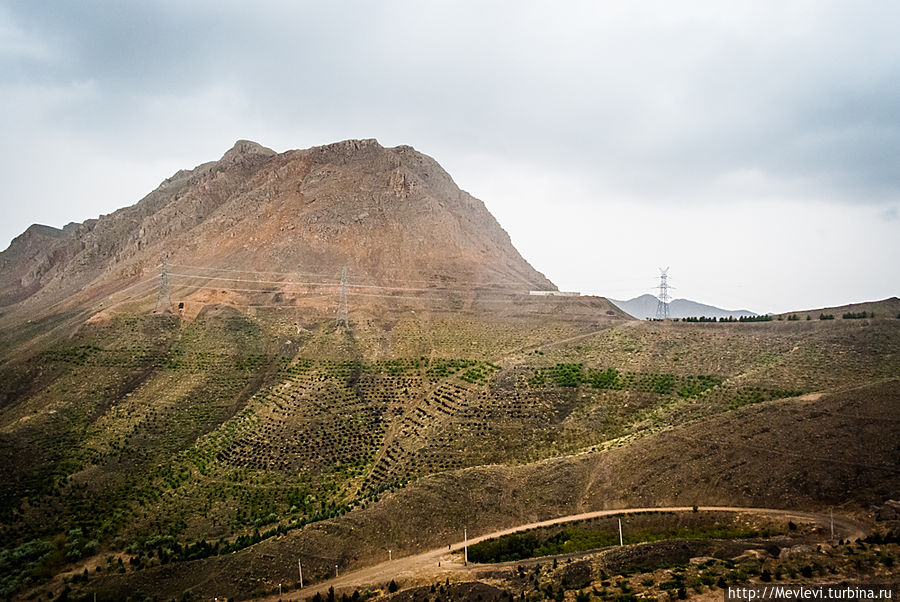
{"points": [[225, 288], [152, 279], [330, 274], [302, 297], [270, 305], [165, 284], [343, 282], [349, 294], [199, 267], [329, 269], [330, 284]]}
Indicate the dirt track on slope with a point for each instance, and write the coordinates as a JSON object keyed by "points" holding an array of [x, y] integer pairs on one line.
{"points": [[440, 564]]}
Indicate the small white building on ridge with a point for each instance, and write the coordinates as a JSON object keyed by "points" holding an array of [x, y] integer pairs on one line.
{"points": [[555, 293]]}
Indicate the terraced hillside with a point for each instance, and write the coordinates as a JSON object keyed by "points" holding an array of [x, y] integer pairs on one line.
{"points": [[157, 439]]}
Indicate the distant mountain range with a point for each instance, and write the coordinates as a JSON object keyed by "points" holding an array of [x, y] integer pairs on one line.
{"points": [[645, 307]]}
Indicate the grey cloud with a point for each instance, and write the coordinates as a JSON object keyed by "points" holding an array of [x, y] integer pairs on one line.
{"points": [[703, 101], [687, 98]]}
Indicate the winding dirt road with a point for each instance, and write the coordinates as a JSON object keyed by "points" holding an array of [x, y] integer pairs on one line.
{"points": [[442, 563]]}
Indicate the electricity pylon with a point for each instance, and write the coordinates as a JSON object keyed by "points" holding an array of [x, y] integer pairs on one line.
{"points": [[163, 297], [343, 312], [662, 307]]}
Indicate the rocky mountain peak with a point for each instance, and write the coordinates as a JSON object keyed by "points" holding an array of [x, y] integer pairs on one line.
{"points": [[244, 150], [388, 215]]}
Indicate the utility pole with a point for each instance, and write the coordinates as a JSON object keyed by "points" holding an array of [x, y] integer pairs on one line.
{"points": [[163, 298], [662, 307], [831, 513], [621, 542], [343, 312], [466, 545], [300, 570]]}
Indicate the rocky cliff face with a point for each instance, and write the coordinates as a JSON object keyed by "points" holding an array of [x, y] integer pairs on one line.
{"points": [[32, 258], [388, 214]]}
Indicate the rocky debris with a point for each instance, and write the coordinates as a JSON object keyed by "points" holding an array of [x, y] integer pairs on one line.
{"points": [[578, 574], [472, 590], [753, 554], [799, 550], [889, 511], [702, 559]]}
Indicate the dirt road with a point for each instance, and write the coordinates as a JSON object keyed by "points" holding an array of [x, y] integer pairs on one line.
{"points": [[442, 563]]}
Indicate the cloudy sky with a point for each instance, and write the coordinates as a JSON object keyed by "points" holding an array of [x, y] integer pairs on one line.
{"points": [[753, 147]]}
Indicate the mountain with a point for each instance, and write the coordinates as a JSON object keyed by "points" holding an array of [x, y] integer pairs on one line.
{"points": [[391, 216], [182, 416], [644, 307]]}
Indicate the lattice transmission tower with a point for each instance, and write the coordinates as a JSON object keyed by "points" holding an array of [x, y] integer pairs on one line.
{"points": [[343, 312], [163, 297], [662, 306]]}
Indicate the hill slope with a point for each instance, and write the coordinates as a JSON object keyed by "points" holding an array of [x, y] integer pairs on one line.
{"points": [[212, 446], [644, 307], [705, 463]]}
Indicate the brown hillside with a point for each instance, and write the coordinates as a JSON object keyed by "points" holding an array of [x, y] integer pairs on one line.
{"points": [[886, 308], [715, 462], [392, 216]]}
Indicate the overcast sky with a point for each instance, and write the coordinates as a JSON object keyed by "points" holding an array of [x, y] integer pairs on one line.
{"points": [[753, 147]]}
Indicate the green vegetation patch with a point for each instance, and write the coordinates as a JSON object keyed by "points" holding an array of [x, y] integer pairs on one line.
{"points": [[441, 368], [751, 395], [573, 375], [479, 373], [545, 542]]}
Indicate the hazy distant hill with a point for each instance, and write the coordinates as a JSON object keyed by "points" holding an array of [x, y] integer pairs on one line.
{"points": [[645, 307]]}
